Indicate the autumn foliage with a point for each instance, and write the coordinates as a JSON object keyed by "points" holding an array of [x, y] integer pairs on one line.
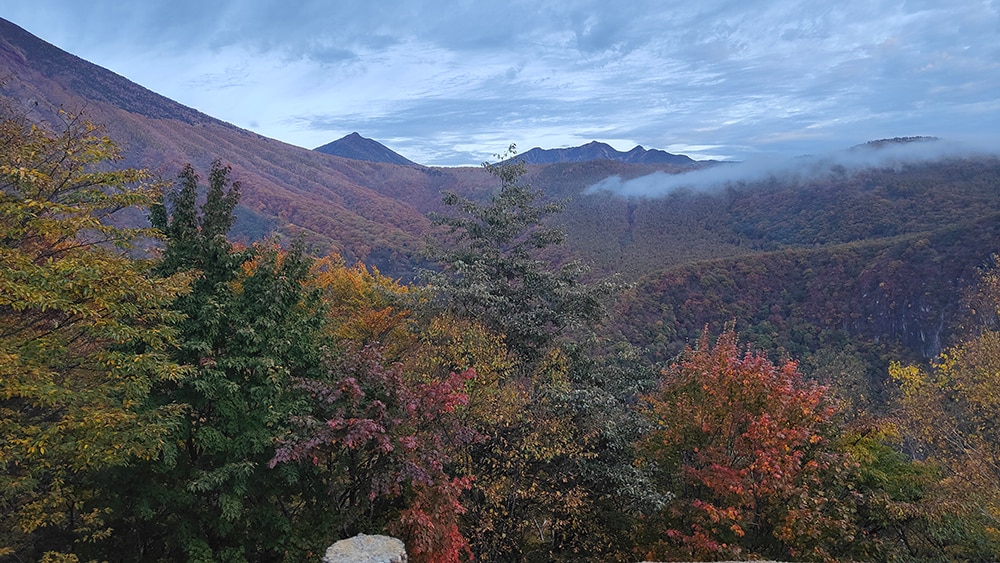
{"points": [[220, 402], [739, 442], [950, 410], [83, 334], [377, 438]]}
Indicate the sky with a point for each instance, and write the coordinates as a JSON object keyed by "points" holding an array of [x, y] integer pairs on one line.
{"points": [[452, 83]]}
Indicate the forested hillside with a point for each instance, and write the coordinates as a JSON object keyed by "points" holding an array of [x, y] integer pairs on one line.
{"points": [[878, 260], [291, 190]]}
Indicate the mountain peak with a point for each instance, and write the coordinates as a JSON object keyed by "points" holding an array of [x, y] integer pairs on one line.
{"points": [[597, 150], [356, 147]]}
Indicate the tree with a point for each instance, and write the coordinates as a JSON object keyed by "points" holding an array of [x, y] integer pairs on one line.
{"points": [[902, 510], [251, 323], [386, 417], [197, 240], [381, 442], [540, 474], [742, 445], [494, 276], [950, 411], [554, 479], [982, 301], [84, 335], [947, 413]]}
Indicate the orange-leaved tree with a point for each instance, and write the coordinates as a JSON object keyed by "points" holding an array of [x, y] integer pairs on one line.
{"points": [[741, 444]]}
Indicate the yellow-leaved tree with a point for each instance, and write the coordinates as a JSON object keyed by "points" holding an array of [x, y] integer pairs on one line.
{"points": [[83, 333], [951, 411]]}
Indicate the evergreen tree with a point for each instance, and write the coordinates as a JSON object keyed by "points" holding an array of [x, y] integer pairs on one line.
{"points": [[494, 275], [556, 426]]}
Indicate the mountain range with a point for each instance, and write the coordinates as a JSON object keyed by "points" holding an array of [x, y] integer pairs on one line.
{"points": [[361, 148], [851, 261], [596, 150], [359, 206]]}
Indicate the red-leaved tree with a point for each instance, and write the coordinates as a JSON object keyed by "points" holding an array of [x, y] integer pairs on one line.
{"points": [[381, 441], [740, 444]]}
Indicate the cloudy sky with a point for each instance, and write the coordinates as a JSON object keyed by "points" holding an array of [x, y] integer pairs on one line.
{"points": [[451, 83]]}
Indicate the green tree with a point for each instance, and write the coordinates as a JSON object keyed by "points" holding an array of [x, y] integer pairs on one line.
{"points": [[551, 424], [902, 511], [493, 274], [197, 240], [84, 335], [250, 324]]}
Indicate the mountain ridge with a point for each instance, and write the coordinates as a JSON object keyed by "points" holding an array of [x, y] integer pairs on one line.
{"points": [[92, 81], [597, 150], [335, 204]]}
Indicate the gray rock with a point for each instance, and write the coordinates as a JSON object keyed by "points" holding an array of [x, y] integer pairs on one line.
{"points": [[366, 549]]}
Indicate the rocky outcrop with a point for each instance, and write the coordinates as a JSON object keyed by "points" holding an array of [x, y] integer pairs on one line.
{"points": [[366, 549]]}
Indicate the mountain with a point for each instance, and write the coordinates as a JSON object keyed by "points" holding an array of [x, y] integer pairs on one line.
{"points": [[23, 57], [336, 204], [356, 147], [859, 260], [363, 210], [595, 150]]}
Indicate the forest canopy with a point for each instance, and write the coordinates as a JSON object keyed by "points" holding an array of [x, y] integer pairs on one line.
{"points": [[167, 394]]}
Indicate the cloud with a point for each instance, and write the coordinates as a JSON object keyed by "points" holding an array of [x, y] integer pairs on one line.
{"points": [[746, 78], [795, 171]]}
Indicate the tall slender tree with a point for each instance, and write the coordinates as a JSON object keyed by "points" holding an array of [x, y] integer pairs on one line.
{"points": [[539, 472], [494, 274]]}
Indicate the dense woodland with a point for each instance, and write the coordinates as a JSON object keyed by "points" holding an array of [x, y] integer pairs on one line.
{"points": [[167, 394]]}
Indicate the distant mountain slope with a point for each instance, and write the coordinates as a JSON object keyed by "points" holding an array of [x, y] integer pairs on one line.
{"points": [[848, 307], [356, 147], [83, 79], [595, 150], [334, 203], [368, 211]]}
